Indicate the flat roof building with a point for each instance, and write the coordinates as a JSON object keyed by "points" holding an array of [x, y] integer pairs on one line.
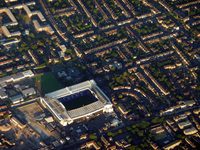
{"points": [[16, 99], [20, 123], [47, 28], [3, 94], [190, 131], [16, 77], [7, 1], [172, 145], [28, 92], [7, 33], [10, 15]]}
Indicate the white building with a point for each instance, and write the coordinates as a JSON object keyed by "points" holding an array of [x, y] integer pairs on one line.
{"points": [[7, 33], [39, 28], [3, 94], [190, 131], [8, 1], [65, 117], [16, 77], [28, 92]]}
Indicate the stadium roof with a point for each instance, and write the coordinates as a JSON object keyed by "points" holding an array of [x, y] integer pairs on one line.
{"points": [[58, 109]]}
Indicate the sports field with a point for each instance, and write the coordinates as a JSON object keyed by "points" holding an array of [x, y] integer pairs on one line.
{"points": [[47, 82], [78, 100]]}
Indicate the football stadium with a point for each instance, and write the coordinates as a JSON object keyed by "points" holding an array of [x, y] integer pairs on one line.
{"points": [[76, 102]]}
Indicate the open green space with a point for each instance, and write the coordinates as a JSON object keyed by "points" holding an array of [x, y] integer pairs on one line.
{"points": [[48, 82]]}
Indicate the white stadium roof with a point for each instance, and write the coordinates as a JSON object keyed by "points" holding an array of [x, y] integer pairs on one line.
{"points": [[66, 117]]}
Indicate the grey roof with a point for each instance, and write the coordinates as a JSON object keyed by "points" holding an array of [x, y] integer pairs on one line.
{"points": [[29, 91], [16, 98], [85, 110], [3, 94], [16, 77]]}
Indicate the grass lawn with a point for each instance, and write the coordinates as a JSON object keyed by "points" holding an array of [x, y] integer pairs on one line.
{"points": [[47, 82]]}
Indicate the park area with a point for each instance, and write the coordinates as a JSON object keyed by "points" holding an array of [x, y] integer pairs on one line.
{"points": [[47, 82]]}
